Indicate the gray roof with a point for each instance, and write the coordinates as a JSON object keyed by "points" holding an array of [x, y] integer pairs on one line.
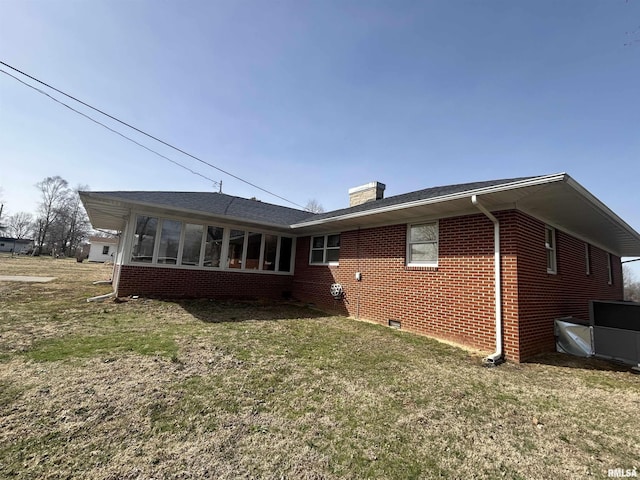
{"points": [[222, 205], [217, 204], [425, 194], [555, 199]]}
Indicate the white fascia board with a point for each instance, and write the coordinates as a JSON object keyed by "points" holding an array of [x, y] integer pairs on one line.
{"points": [[546, 179]]}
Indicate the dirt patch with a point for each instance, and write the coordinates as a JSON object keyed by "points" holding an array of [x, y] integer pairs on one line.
{"points": [[25, 278]]}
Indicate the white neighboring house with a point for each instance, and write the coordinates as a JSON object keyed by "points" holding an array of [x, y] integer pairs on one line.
{"points": [[102, 249]]}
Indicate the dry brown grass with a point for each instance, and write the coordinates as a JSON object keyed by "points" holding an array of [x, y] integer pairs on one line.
{"points": [[199, 389]]}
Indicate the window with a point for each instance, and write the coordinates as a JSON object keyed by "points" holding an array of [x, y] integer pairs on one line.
{"points": [[169, 242], [609, 270], [144, 239], [587, 258], [192, 244], [286, 247], [236, 247], [325, 249], [213, 246], [105, 250], [164, 241], [422, 244], [254, 243], [550, 245], [270, 251]]}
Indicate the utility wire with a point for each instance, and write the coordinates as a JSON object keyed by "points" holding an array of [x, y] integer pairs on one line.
{"points": [[147, 134], [109, 128]]}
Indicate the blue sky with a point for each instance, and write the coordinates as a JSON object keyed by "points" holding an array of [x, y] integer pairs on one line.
{"points": [[308, 99]]}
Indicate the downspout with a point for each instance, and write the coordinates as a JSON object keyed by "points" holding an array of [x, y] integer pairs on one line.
{"points": [[496, 357]]}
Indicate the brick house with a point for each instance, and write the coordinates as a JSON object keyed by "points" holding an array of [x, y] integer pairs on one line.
{"points": [[487, 264]]}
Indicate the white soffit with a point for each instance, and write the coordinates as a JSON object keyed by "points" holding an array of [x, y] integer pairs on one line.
{"points": [[105, 213], [555, 199], [569, 207]]}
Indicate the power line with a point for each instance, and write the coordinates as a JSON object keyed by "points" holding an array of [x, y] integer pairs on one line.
{"points": [[109, 128], [147, 134]]}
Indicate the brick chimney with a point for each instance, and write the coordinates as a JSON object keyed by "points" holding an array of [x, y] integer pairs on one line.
{"points": [[366, 193]]}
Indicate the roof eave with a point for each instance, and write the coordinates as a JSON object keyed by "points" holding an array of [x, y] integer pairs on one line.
{"points": [[601, 206], [138, 205], [441, 199]]}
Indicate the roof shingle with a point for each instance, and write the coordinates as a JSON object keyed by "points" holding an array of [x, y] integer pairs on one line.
{"points": [[211, 203], [425, 194]]}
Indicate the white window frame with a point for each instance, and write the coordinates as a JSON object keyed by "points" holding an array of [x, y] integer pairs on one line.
{"points": [[551, 250], [224, 250], [224, 253], [292, 255], [156, 248], [324, 249], [263, 247], [246, 247], [183, 234], [609, 270], [227, 262], [131, 238], [409, 261]]}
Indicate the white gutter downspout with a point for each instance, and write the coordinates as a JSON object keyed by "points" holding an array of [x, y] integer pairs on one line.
{"points": [[496, 357]]}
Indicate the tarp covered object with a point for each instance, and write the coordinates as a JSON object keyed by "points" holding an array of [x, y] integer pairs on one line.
{"points": [[573, 337]]}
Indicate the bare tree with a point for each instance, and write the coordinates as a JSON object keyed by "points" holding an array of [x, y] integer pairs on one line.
{"points": [[314, 206], [20, 225], [631, 285], [70, 225], [54, 191]]}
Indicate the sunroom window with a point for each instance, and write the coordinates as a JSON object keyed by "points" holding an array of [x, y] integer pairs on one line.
{"points": [[286, 248], [270, 252], [144, 239], [192, 245], [213, 246], [164, 241], [169, 242], [236, 248], [254, 242]]}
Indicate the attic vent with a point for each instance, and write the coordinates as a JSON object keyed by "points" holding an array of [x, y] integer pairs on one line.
{"points": [[394, 324]]}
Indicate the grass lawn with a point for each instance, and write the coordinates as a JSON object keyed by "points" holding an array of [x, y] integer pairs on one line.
{"points": [[201, 389]]}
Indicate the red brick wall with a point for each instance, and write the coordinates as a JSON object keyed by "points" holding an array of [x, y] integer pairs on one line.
{"points": [[542, 297], [456, 300], [186, 283]]}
